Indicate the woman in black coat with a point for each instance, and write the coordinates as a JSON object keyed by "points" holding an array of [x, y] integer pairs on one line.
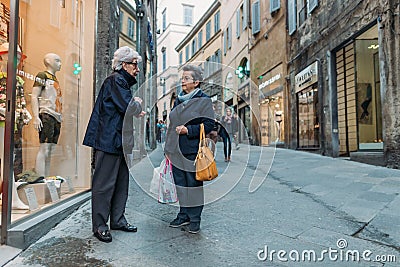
{"points": [[104, 133], [191, 108]]}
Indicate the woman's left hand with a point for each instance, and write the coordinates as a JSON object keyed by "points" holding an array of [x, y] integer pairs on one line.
{"points": [[181, 129]]}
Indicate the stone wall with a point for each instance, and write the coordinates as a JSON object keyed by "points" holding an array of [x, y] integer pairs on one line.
{"points": [[331, 24]]}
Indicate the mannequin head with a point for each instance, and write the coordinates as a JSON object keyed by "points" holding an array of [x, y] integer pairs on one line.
{"points": [[52, 62]]}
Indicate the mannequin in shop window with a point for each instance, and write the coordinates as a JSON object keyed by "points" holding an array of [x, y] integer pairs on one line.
{"points": [[46, 108], [278, 121], [22, 117]]}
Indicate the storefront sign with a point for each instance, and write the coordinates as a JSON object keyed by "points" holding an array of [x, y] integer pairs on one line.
{"points": [[306, 77], [270, 81]]}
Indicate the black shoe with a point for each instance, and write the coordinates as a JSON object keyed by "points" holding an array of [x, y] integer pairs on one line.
{"points": [[178, 222], [194, 227], [103, 236], [126, 228]]}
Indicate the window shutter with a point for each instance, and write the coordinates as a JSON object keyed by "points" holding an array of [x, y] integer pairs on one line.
{"points": [[225, 35], [230, 35], [245, 19], [292, 16], [312, 4], [238, 29], [274, 5], [255, 17]]}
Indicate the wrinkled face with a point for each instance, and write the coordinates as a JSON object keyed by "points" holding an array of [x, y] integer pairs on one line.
{"points": [[188, 83], [131, 67]]}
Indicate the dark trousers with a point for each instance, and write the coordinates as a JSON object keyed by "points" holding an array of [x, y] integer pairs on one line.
{"points": [[227, 145], [109, 191], [190, 193]]}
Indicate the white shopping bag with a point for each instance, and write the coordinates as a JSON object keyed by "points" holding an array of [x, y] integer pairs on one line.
{"points": [[155, 182], [167, 188]]}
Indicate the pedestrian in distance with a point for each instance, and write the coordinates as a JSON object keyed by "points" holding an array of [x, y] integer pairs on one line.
{"points": [[226, 133], [191, 108], [235, 129], [104, 133]]}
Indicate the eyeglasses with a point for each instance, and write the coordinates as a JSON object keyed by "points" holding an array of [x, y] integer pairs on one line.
{"points": [[187, 78], [135, 64]]}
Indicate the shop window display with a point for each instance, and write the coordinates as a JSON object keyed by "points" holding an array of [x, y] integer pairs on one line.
{"points": [[308, 118], [52, 109]]}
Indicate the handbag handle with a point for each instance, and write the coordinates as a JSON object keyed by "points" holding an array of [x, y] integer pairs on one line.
{"points": [[202, 136]]}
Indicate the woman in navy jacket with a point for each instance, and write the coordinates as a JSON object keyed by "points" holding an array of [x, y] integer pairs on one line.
{"points": [[191, 108], [104, 133]]}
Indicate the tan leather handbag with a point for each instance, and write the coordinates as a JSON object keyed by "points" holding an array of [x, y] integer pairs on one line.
{"points": [[206, 169]]}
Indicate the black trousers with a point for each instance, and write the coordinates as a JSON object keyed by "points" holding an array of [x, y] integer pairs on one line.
{"points": [[110, 186], [227, 145], [189, 190]]}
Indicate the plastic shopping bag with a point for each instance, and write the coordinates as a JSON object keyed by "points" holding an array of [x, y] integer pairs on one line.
{"points": [[167, 188], [155, 182]]}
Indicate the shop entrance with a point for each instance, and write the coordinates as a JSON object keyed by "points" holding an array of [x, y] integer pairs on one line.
{"points": [[358, 95]]}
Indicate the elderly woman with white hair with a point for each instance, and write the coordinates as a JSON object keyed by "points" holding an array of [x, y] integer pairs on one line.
{"points": [[104, 133]]}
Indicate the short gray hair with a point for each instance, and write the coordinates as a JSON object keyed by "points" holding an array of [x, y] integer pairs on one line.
{"points": [[196, 71], [124, 54]]}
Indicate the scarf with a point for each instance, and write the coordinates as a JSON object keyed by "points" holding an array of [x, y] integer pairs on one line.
{"points": [[228, 119], [183, 98]]}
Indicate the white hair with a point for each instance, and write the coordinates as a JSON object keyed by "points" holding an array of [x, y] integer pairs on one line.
{"points": [[124, 54]]}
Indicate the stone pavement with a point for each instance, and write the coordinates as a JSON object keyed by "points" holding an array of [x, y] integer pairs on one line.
{"points": [[307, 204]]}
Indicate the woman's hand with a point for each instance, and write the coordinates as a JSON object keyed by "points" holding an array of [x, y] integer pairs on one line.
{"points": [[181, 129]]}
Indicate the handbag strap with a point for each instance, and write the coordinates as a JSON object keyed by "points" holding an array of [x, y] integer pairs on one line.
{"points": [[203, 141]]}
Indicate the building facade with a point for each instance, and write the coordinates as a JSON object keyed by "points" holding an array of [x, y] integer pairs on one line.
{"points": [[127, 27], [202, 47], [268, 47], [236, 56], [174, 19], [343, 72]]}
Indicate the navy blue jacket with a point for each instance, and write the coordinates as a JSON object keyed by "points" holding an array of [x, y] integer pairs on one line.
{"points": [[104, 130], [191, 114]]}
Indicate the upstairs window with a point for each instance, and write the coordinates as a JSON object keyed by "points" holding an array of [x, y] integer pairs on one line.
{"points": [[312, 4], [164, 19], [216, 22], [131, 28], [274, 5], [208, 31], [187, 56], [200, 38], [255, 17], [187, 15], [292, 16]]}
